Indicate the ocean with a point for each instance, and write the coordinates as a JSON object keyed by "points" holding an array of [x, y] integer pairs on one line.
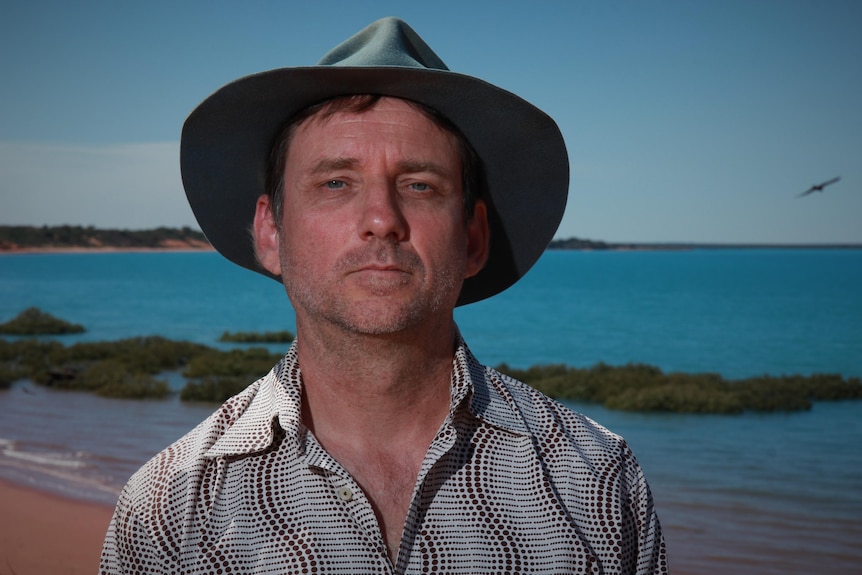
{"points": [[751, 493]]}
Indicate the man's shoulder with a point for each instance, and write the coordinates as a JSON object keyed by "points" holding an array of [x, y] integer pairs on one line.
{"points": [[187, 455], [547, 419]]}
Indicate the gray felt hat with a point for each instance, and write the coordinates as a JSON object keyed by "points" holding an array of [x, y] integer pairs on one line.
{"points": [[227, 139]]}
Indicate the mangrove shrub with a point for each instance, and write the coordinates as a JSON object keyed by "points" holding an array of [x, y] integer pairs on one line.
{"points": [[34, 321], [257, 337], [637, 387]]}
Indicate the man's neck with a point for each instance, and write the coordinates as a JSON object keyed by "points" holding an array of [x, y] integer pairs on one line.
{"points": [[369, 390], [375, 404]]}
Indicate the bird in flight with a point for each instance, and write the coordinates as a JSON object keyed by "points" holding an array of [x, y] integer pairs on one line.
{"points": [[818, 187]]}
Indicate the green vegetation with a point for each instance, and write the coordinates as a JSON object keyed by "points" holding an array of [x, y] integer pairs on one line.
{"points": [[17, 237], [592, 245], [236, 362], [33, 321], [112, 378], [129, 368], [255, 337], [124, 368], [583, 244], [636, 387], [217, 375]]}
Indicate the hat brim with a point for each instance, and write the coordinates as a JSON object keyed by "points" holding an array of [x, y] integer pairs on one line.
{"points": [[227, 139]]}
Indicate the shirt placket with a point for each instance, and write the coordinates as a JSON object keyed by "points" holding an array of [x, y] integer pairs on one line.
{"points": [[442, 443], [359, 507], [356, 504]]}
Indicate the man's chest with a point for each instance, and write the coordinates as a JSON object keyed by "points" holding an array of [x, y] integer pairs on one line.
{"points": [[472, 511]]}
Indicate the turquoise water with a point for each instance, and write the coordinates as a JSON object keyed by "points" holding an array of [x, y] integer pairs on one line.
{"points": [[753, 493], [735, 312]]}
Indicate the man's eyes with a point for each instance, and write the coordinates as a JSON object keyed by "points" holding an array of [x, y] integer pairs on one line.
{"points": [[414, 187]]}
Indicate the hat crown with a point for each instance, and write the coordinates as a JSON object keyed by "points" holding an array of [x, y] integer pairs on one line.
{"points": [[386, 42]]}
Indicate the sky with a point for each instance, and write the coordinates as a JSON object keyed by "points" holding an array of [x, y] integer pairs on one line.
{"points": [[685, 121]]}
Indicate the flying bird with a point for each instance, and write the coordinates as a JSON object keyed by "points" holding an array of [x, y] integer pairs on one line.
{"points": [[818, 187]]}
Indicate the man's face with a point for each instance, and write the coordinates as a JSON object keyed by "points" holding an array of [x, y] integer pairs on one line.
{"points": [[373, 236]]}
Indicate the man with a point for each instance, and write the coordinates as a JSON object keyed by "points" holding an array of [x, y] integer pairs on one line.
{"points": [[396, 191]]}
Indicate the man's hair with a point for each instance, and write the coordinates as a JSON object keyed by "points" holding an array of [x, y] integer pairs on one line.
{"points": [[473, 181]]}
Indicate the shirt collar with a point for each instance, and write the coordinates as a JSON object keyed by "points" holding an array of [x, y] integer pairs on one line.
{"points": [[275, 399], [278, 397], [490, 400]]}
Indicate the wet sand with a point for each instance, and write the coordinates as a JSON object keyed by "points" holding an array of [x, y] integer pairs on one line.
{"points": [[47, 534]]}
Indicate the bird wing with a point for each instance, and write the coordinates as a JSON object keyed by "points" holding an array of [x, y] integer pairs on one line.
{"points": [[818, 187]]}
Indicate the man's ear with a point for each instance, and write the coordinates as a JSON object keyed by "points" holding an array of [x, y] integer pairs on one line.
{"points": [[266, 236], [478, 239]]}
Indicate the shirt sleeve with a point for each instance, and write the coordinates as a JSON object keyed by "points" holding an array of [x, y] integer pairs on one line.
{"points": [[652, 553], [129, 548]]}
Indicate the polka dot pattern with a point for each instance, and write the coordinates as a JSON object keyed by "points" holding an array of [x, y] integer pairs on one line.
{"points": [[514, 482]]}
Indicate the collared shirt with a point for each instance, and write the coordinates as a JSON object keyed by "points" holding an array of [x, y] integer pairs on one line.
{"points": [[513, 482]]}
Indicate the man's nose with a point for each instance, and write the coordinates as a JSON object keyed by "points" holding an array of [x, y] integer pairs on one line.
{"points": [[382, 213]]}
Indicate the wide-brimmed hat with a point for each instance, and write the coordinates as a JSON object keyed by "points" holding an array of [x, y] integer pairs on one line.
{"points": [[228, 138]]}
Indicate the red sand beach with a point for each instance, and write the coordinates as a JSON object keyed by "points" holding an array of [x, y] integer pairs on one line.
{"points": [[46, 534]]}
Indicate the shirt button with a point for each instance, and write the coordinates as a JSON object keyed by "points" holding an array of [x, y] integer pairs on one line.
{"points": [[344, 493]]}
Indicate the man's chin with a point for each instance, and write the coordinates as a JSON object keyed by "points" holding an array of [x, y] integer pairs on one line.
{"points": [[387, 315]]}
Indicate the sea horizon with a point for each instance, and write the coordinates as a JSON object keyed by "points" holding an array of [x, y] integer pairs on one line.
{"points": [[78, 238]]}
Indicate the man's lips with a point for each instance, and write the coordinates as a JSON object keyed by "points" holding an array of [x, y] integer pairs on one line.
{"points": [[382, 268], [381, 259], [380, 272], [379, 279]]}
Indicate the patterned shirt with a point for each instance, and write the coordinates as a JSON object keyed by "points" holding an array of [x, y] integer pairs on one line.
{"points": [[513, 482]]}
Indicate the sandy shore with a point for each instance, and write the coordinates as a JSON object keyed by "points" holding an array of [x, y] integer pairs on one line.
{"points": [[46, 534]]}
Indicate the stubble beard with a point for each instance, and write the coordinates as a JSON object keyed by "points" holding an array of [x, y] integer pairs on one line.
{"points": [[324, 299]]}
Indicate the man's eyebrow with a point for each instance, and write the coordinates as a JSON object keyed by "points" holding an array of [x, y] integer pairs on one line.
{"points": [[330, 164], [418, 166], [405, 166]]}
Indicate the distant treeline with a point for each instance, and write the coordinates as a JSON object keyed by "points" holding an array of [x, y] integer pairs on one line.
{"points": [[582, 244], [24, 237]]}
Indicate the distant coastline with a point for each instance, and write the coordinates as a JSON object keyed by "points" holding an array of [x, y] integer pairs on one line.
{"points": [[80, 239], [593, 245]]}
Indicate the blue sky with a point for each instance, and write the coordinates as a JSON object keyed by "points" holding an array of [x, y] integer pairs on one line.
{"points": [[685, 120]]}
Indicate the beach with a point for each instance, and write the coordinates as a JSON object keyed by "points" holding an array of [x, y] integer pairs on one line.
{"points": [[46, 534]]}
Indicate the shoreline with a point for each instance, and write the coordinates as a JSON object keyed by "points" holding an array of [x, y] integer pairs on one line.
{"points": [[103, 250], [42, 532]]}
